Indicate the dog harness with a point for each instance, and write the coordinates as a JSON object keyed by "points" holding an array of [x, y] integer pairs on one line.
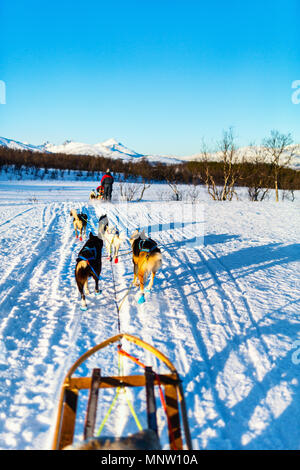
{"points": [[93, 258], [146, 241], [83, 217]]}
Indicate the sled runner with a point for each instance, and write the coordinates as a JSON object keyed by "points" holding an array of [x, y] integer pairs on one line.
{"points": [[172, 400]]}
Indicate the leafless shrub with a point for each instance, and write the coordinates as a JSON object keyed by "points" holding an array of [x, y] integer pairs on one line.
{"points": [[288, 194], [193, 194], [133, 191]]}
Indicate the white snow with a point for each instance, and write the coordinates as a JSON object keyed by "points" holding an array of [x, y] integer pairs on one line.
{"points": [[224, 309]]}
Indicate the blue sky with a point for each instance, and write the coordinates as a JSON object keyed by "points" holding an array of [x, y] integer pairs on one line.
{"points": [[159, 76]]}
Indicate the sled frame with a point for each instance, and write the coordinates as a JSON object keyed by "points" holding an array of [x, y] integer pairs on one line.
{"points": [[174, 398]]}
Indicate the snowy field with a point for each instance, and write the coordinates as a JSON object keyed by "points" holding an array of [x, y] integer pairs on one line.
{"points": [[224, 309]]}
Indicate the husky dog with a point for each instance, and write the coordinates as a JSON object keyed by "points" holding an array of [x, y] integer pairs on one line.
{"points": [[146, 258], [79, 223], [111, 237], [88, 264]]}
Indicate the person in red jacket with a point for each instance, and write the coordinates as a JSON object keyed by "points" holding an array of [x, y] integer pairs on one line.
{"points": [[107, 183]]}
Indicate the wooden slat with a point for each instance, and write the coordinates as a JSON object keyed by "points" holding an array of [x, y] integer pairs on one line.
{"points": [[150, 399], [91, 411], [173, 413], [184, 416], [81, 383], [68, 418]]}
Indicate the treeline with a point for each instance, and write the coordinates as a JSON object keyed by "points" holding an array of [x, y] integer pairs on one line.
{"points": [[202, 172]]}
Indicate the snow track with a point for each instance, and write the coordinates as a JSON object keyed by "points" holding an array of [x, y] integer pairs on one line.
{"points": [[207, 313]]}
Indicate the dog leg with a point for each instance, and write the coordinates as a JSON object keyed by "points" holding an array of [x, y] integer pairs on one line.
{"points": [[107, 245], [116, 255], [135, 273], [86, 288], [142, 297], [83, 303], [97, 290], [149, 287]]}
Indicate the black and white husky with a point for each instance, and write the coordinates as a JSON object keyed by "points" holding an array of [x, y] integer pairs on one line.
{"points": [[88, 264], [111, 237]]}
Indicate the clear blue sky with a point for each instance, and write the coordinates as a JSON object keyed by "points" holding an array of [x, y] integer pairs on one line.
{"points": [[157, 75]]}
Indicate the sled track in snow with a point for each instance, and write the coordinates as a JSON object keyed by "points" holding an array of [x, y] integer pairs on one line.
{"points": [[13, 219], [199, 315]]}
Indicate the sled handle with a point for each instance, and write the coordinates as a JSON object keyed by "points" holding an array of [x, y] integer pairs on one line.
{"points": [[114, 339]]}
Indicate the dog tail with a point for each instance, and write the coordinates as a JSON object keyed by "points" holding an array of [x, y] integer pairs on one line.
{"points": [[122, 236], [157, 261]]}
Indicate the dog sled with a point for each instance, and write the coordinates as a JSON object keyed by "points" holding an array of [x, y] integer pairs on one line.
{"points": [[170, 391], [98, 193]]}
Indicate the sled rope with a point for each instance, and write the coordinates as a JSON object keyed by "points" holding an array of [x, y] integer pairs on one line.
{"points": [[115, 297], [139, 426], [161, 393]]}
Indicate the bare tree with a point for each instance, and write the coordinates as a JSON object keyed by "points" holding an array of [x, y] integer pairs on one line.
{"points": [[173, 180], [177, 192], [259, 180], [143, 189], [279, 151], [231, 169]]}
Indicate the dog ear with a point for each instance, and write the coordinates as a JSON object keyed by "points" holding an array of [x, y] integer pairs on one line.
{"points": [[143, 235], [135, 235]]}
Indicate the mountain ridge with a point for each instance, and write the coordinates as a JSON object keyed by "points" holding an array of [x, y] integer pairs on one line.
{"points": [[112, 148]]}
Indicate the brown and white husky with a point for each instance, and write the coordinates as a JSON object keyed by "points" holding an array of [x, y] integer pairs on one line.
{"points": [[147, 259], [79, 223]]}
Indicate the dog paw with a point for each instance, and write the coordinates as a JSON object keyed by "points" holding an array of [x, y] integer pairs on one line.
{"points": [[141, 299], [98, 292], [83, 308]]}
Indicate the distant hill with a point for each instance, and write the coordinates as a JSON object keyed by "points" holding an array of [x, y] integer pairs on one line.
{"points": [[111, 148]]}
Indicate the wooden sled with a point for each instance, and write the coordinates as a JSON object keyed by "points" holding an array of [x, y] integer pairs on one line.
{"points": [[172, 400]]}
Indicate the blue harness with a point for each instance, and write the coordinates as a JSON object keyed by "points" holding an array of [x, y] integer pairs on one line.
{"points": [[93, 249], [149, 249]]}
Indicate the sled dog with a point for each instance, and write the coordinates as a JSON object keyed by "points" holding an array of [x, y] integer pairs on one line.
{"points": [[79, 223], [146, 258], [111, 237], [88, 264]]}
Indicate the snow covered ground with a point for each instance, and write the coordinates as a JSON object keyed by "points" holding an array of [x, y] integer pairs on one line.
{"points": [[224, 309]]}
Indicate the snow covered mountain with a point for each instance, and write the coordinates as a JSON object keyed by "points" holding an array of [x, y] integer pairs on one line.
{"points": [[111, 148], [15, 144]]}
